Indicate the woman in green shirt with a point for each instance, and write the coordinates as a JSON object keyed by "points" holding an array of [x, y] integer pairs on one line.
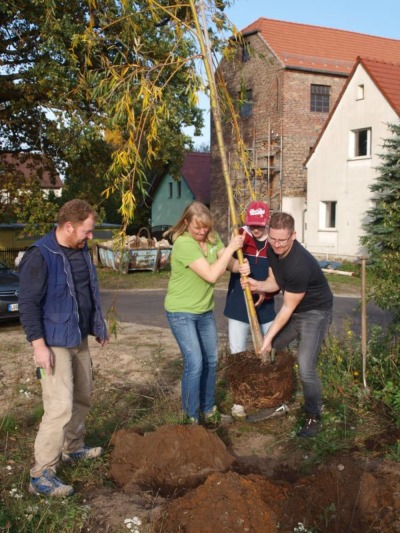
{"points": [[198, 260]]}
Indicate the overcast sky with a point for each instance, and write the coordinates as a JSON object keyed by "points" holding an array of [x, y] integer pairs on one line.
{"points": [[380, 18]]}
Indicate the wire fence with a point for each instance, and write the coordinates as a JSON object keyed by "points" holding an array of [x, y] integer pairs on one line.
{"points": [[8, 256]]}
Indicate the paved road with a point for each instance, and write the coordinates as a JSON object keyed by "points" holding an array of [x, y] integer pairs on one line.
{"points": [[147, 307]]}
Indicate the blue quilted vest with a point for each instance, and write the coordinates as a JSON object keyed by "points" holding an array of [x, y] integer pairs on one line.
{"points": [[60, 307]]}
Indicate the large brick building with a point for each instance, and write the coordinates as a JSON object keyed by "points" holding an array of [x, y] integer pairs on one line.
{"points": [[283, 79]]}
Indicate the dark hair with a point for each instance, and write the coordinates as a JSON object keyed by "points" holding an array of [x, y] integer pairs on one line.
{"points": [[75, 211], [194, 211], [281, 220]]}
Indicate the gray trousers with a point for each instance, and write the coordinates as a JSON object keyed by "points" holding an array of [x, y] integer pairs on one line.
{"points": [[309, 329]]}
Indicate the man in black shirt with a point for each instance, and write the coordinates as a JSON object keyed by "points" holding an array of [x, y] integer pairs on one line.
{"points": [[59, 307], [306, 312]]}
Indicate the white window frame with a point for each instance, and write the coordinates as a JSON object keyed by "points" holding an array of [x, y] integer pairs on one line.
{"points": [[355, 145], [360, 92], [328, 215]]}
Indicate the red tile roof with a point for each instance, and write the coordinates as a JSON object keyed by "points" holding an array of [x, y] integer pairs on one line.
{"points": [[31, 164], [196, 170], [386, 77], [319, 48]]}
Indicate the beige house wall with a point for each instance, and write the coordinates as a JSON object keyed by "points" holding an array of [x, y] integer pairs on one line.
{"points": [[336, 175]]}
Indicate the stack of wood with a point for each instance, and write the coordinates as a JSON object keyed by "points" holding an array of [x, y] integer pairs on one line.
{"points": [[134, 252], [141, 241]]}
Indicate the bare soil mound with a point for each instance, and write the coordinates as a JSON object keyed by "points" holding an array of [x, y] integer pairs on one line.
{"points": [[168, 460], [191, 465], [225, 503], [259, 385]]}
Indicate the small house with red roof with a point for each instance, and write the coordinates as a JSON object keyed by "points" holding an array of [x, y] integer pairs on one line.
{"points": [[284, 79], [344, 161], [171, 196], [22, 168]]}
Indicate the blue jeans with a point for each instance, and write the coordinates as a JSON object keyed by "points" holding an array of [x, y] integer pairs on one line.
{"points": [[196, 335], [310, 329]]}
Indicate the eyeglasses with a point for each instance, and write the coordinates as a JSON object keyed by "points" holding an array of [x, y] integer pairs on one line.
{"points": [[261, 228], [279, 242]]}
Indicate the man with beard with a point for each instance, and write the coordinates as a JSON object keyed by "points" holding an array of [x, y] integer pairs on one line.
{"points": [[59, 308]]}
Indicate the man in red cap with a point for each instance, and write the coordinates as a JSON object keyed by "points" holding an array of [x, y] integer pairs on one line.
{"points": [[255, 249]]}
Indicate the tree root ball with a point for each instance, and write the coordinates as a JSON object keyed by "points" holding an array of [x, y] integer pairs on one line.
{"points": [[259, 385]]}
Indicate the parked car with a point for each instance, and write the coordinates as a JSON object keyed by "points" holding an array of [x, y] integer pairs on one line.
{"points": [[9, 287]]}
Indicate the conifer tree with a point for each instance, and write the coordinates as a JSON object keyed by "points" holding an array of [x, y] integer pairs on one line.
{"points": [[382, 239]]}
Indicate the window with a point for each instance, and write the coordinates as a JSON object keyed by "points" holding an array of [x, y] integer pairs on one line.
{"points": [[246, 103], [278, 94], [360, 143], [245, 51], [170, 189], [360, 92], [327, 215], [319, 101], [179, 189]]}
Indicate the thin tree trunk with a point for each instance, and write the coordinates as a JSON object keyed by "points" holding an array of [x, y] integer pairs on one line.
{"points": [[198, 8]]}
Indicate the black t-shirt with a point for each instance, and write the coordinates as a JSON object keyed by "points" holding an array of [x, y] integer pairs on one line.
{"points": [[81, 277], [300, 272]]}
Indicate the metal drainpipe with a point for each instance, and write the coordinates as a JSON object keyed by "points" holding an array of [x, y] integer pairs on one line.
{"points": [[268, 164], [281, 173], [303, 237]]}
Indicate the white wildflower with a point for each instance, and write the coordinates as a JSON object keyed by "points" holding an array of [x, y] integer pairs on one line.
{"points": [[133, 523], [301, 528], [32, 508], [15, 494]]}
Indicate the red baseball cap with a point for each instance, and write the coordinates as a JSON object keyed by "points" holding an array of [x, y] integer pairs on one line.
{"points": [[257, 214]]}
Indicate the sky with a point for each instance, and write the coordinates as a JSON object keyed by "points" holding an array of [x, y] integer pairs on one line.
{"points": [[379, 18]]}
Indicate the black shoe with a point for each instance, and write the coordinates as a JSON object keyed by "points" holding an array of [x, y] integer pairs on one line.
{"points": [[312, 426]]}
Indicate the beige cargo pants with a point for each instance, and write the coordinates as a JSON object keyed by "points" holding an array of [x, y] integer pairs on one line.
{"points": [[66, 402]]}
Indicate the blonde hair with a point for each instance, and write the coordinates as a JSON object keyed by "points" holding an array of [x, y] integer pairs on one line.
{"points": [[194, 211]]}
